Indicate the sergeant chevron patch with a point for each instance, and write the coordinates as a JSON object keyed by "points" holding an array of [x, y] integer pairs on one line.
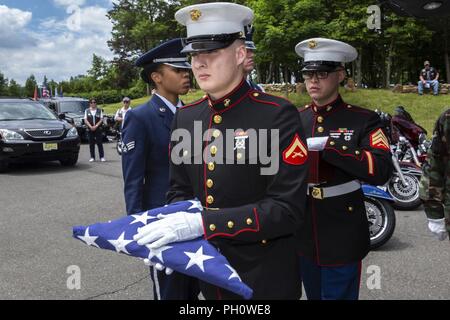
{"points": [[296, 153], [378, 140], [126, 147]]}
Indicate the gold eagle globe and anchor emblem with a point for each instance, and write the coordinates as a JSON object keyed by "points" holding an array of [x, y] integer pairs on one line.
{"points": [[195, 14], [312, 44]]}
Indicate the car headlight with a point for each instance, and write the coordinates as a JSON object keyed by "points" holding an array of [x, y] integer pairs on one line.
{"points": [[72, 132], [9, 135]]}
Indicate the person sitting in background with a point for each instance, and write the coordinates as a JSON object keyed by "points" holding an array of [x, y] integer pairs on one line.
{"points": [[428, 77]]}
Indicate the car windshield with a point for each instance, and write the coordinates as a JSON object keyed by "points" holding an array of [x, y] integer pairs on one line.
{"points": [[74, 106], [24, 111]]}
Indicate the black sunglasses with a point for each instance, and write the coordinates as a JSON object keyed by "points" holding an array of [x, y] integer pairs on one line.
{"points": [[308, 75]]}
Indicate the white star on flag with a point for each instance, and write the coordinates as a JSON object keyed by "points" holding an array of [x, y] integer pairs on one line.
{"points": [[121, 243], [233, 273], [143, 218], [197, 258], [157, 252], [195, 205], [89, 240]]}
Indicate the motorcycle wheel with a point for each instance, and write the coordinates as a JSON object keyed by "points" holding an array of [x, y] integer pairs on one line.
{"points": [[119, 147], [381, 218], [405, 197]]}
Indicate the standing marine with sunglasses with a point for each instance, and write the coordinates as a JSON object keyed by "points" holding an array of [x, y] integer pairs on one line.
{"points": [[347, 145]]}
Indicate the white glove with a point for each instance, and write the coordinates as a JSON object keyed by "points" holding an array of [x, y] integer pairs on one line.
{"points": [[175, 227], [317, 143], [437, 227], [158, 266]]}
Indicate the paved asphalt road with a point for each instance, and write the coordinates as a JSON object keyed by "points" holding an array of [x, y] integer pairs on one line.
{"points": [[39, 203]]}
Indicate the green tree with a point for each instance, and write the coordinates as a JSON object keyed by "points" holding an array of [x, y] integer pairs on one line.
{"points": [[99, 67], [15, 90], [139, 25], [45, 82], [3, 85], [30, 84]]}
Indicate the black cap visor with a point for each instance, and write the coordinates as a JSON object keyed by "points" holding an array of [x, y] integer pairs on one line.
{"points": [[210, 42], [321, 66]]}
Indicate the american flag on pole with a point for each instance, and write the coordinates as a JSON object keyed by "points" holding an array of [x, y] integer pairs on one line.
{"points": [[45, 92], [196, 258]]}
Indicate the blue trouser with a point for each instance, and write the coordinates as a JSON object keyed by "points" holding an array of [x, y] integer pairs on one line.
{"points": [[433, 83], [175, 286], [330, 283]]}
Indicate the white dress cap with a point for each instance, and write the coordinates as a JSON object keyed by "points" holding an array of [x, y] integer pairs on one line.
{"points": [[322, 49], [214, 18]]}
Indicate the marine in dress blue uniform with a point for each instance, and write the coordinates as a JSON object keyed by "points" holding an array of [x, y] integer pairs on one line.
{"points": [[145, 159], [250, 217], [347, 145]]}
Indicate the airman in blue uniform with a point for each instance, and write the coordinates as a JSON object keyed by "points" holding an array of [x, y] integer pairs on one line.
{"points": [[145, 157]]}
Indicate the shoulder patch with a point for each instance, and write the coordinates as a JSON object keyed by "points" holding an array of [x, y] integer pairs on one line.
{"points": [[127, 147], [296, 153], [378, 140]]}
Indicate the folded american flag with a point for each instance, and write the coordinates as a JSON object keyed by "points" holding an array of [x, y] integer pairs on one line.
{"points": [[196, 258]]}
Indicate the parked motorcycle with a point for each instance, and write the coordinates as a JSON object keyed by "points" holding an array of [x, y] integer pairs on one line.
{"points": [[409, 148], [380, 214], [119, 143], [404, 183], [410, 137]]}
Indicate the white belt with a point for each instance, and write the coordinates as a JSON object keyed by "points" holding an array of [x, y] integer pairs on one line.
{"points": [[334, 191]]}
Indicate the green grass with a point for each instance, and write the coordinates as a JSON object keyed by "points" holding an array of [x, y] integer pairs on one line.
{"points": [[424, 109]]}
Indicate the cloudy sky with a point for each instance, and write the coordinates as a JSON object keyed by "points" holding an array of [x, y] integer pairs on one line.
{"points": [[55, 38]]}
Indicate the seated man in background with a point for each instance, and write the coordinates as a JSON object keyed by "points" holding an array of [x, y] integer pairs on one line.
{"points": [[428, 77]]}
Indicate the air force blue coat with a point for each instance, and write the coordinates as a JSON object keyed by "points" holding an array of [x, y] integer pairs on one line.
{"points": [[145, 156]]}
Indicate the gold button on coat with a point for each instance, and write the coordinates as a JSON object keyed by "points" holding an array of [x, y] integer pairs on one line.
{"points": [[217, 119], [249, 221], [320, 119], [230, 224], [357, 152], [210, 199], [344, 147], [320, 129], [212, 227], [213, 150], [239, 156], [211, 166], [350, 209], [209, 183], [332, 143], [264, 241], [226, 102]]}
